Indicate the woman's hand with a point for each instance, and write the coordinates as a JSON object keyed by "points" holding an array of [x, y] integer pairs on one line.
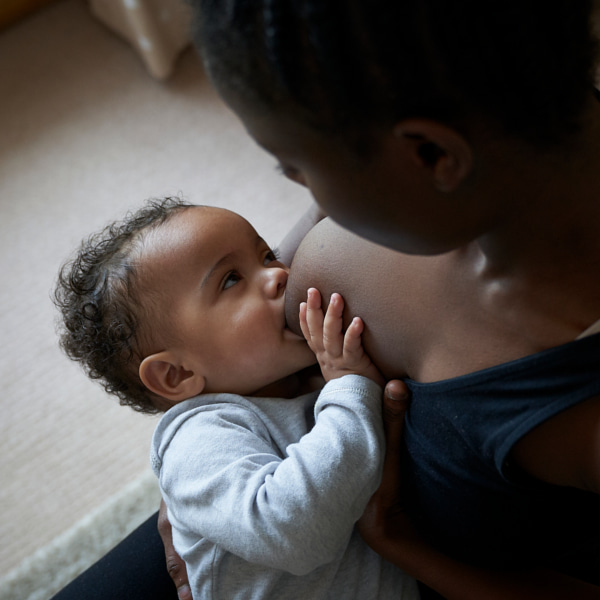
{"points": [[338, 353], [175, 565], [384, 525]]}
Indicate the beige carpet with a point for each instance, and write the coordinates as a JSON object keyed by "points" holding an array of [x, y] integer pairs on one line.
{"points": [[85, 133]]}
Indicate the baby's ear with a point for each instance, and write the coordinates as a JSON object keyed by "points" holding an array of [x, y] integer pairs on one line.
{"points": [[164, 375]]}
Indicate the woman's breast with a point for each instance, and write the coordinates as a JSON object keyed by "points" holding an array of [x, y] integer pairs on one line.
{"points": [[377, 284]]}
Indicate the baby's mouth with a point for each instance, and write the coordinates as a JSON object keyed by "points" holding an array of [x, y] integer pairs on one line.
{"points": [[288, 331]]}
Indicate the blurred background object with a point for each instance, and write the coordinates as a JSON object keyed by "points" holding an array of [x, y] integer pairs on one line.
{"points": [[158, 30]]}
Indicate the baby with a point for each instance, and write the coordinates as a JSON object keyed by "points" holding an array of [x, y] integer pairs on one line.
{"points": [[180, 309]]}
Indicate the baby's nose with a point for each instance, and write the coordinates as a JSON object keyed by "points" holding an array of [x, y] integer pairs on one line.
{"points": [[276, 281]]}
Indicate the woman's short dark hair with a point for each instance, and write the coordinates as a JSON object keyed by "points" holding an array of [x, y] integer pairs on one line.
{"points": [[100, 307], [525, 64]]}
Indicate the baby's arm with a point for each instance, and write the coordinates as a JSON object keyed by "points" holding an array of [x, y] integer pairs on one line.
{"points": [[338, 354], [226, 480]]}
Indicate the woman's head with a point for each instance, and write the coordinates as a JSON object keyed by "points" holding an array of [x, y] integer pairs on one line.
{"points": [[407, 119], [348, 65]]}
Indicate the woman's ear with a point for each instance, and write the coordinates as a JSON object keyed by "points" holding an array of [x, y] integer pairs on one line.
{"points": [[164, 375], [443, 152]]}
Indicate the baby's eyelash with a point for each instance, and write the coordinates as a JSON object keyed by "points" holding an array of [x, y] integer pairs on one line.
{"points": [[232, 277], [276, 253]]}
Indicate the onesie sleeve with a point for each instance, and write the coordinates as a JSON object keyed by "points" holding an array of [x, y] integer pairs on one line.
{"points": [[224, 479]]}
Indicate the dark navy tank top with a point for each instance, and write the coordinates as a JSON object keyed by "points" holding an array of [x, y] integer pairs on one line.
{"points": [[460, 487]]}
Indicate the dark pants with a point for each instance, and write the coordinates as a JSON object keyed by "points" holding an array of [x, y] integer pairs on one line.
{"points": [[133, 570]]}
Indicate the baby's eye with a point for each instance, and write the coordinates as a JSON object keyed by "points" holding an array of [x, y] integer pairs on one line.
{"points": [[271, 256], [231, 279]]}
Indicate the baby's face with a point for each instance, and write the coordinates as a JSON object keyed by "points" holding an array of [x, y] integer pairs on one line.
{"points": [[222, 292]]}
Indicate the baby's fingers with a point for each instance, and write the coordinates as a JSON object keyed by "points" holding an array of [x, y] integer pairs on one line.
{"points": [[333, 339], [352, 340], [303, 323], [314, 313], [311, 317]]}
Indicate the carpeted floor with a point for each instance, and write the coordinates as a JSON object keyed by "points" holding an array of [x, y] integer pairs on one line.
{"points": [[85, 135]]}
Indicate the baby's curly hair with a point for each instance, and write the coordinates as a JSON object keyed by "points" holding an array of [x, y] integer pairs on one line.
{"points": [[100, 306]]}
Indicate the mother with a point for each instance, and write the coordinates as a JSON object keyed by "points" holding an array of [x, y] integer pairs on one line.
{"points": [[468, 132]]}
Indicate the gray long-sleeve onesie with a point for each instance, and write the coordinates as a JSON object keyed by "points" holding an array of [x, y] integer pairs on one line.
{"points": [[263, 494]]}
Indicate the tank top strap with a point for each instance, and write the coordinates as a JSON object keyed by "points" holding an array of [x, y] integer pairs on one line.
{"points": [[594, 328]]}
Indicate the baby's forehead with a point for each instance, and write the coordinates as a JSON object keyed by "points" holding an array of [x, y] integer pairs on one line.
{"points": [[199, 223], [194, 231]]}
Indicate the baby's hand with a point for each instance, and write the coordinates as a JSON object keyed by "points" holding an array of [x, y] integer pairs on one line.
{"points": [[338, 354]]}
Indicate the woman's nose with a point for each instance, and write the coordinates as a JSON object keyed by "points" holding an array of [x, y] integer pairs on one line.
{"points": [[276, 280]]}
